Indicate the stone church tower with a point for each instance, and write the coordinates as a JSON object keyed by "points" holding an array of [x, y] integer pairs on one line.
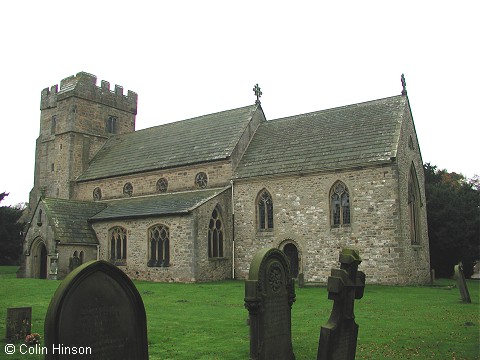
{"points": [[75, 122]]}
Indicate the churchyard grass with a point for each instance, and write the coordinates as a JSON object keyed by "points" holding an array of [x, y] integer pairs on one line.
{"points": [[208, 321]]}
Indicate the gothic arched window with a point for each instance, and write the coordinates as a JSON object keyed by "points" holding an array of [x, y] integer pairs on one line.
{"points": [[339, 204], [118, 245], [215, 235], [159, 246], [265, 211], [414, 205]]}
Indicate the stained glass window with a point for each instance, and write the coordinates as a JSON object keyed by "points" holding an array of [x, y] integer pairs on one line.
{"points": [[340, 204]]}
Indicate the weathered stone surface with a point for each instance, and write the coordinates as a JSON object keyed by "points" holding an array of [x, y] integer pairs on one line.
{"points": [[462, 284], [97, 313], [269, 295], [19, 323], [338, 338]]}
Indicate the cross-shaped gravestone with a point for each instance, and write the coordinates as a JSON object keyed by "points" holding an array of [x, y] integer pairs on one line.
{"points": [[338, 338], [258, 93], [462, 284]]}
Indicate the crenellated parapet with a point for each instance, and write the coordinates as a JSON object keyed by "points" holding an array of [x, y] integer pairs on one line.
{"points": [[84, 85]]}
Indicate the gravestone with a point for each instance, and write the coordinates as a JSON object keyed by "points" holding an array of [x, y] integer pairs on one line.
{"points": [[97, 313], [476, 271], [338, 338], [269, 296], [462, 284], [19, 323]]}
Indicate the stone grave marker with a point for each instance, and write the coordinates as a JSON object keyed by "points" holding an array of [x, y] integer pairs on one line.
{"points": [[96, 313], [269, 296], [19, 323], [338, 338], [462, 284]]}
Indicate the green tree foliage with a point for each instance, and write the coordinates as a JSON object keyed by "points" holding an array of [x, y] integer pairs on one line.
{"points": [[453, 212], [10, 233]]}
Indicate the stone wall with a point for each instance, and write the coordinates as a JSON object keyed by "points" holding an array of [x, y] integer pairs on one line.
{"points": [[179, 179], [302, 217], [416, 258]]}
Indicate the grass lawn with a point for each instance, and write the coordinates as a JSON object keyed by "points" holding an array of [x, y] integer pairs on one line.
{"points": [[208, 321]]}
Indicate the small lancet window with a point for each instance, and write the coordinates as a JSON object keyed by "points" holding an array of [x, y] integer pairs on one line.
{"points": [[265, 211], [410, 143], [340, 205], [54, 125], [162, 185], [111, 125], [159, 246]]}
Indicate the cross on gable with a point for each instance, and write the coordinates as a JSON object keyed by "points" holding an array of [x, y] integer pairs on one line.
{"points": [[404, 85], [258, 93]]}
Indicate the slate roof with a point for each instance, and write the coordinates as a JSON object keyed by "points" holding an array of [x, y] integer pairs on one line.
{"points": [[156, 205], [201, 139], [69, 218], [343, 137]]}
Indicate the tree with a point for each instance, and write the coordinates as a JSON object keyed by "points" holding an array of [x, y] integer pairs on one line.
{"points": [[453, 213], [10, 233]]}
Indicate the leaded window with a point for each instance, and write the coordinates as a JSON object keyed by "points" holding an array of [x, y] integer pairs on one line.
{"points": [[159, 246], [111, 125], [265, 211], [162, 185], [201, 180], [414, 207], [97, 194], [118, 245], [128, 189], [215, 235], [340, 205]]}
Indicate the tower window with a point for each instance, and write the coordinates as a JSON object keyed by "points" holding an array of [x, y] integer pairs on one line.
{"points": [[111, 125], [54, 125]]}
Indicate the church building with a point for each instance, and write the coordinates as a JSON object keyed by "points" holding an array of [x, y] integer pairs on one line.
{"points": [[194, 200]]}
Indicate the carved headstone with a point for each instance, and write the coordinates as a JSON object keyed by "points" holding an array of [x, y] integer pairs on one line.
{"points": [[338, 338], [269, 296], [97, 313], [19, 323], [462, 284]]}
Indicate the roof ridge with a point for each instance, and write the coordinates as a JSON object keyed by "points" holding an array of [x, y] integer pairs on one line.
{"points": [[363, 103]]}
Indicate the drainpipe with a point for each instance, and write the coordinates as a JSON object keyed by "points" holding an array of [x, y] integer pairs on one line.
{"points": [[233, 233]]}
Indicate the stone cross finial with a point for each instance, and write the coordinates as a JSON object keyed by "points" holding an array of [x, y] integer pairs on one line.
{"points": [[258, 93], [404, 85]]}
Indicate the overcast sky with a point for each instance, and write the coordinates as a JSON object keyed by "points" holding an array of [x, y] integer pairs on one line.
{"points": [[191, 58]]}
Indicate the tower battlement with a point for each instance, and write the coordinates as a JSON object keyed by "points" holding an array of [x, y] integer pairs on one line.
{"points": [[84, 85]]}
